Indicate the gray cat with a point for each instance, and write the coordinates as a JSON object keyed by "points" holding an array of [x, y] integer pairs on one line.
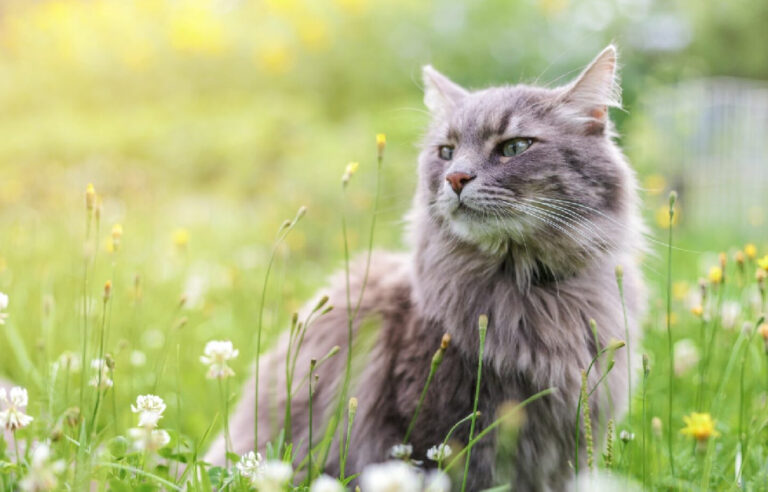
{"points": [[524, 207]]}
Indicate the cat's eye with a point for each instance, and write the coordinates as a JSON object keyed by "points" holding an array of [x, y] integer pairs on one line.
{"points": [[445, 152], [515, 146]]}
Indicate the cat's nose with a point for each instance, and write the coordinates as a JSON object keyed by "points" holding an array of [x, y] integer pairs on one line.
{"points": [[458, 180]]}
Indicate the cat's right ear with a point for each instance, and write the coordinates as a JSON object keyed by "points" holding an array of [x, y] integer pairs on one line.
{"points": [[441, 95]]}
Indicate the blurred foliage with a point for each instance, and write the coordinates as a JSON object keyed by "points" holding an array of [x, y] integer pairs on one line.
{"points": [[223, 117]]}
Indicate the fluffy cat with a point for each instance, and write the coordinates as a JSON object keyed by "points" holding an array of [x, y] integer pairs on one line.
{"points": [[525, 205]]}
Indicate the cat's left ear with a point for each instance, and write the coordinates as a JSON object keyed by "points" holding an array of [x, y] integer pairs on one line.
{"points": [[594, 91], [441, 94]]}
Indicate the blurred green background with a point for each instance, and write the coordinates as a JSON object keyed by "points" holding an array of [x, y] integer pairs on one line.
{"points": [[217, 120]]}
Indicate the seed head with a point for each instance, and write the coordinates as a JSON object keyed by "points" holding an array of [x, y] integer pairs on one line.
{"points": [[90, 197], [381, 143], [107, 290]]}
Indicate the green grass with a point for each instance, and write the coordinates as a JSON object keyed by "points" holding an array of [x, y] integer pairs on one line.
{"points": [[189, 121]]}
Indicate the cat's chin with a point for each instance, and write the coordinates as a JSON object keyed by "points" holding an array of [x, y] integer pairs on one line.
{"points": [[484, 231]]}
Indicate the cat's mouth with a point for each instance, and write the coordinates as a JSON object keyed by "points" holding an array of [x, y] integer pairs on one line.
{"points": [[465, 210]]}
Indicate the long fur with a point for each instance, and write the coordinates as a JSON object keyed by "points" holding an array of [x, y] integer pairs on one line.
{"points": [[532, 242]]}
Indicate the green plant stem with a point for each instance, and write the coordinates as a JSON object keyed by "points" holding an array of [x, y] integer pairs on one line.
{"points": [[95, 413], [432, 370], [483, 327], [352, 314], [312, 364], [281, 235], [493, 425], [669, 343]]}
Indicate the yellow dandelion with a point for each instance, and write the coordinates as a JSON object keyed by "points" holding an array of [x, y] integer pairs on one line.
{"points": [[751, 251], [763, 263], [715, 275], [700, 426], [697, 311], [181, 238]]}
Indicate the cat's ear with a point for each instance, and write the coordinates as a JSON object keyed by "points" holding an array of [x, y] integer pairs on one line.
{"points": [[594, 91], [441, 95]]}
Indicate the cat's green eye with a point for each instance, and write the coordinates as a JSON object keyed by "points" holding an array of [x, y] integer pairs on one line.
{"points": [[515, 146], [445, 152]]}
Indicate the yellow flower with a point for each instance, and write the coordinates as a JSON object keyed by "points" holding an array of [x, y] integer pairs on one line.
{"points": [[715, 275], [348, 172], [180, 238], [353, 166], [763, 263], [90, 196], [697, 311], [700, 426], [763, 329], [381, 142], [117, 234], [751, 251]]}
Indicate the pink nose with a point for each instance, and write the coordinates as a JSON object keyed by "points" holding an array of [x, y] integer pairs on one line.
{"points": [[458, 180]]}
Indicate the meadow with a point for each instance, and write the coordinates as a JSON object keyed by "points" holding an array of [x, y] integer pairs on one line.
{"points": [[149, 167]]}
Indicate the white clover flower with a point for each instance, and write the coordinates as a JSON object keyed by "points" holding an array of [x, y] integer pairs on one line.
{"points": [[439, 452], [42, 475], [216, 355], [626, 436], [686, 356], [324, 483], [392, 476], [150, 409], [437, 481], [272, 476], [101, 380], [13, 417], [146, 439], [401, 451], [249, 464], [3, 307], [69, 361]]}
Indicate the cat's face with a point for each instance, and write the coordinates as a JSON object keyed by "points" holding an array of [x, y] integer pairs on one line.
{"points": [[523, 164]]}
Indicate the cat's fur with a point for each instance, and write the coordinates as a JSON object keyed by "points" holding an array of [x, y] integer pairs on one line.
{"points": [[534, 245]]}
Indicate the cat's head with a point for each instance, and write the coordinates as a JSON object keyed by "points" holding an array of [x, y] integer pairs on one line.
{"points": [[522, 164]]}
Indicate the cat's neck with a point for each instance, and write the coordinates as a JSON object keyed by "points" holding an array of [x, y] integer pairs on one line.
{"points": [[455, 282]]}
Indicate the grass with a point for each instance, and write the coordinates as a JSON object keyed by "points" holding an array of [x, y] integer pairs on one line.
{"points": [[726, 383]]}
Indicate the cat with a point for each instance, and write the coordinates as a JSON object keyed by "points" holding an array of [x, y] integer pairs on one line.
{"points": [[524, 208]]}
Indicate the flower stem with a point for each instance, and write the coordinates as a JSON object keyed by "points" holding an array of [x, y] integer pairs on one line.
{"points": [[672, 199], [483, 325]]}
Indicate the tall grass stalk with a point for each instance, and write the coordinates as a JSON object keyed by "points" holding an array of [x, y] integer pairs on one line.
{"points": [[437, 359], [646, 372], [282, 233], [671, 390], [102, 336], [351, 412], [492, 426], [483, 328], [620, 283], [609, 349], [312, 364], [352, 313]]}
